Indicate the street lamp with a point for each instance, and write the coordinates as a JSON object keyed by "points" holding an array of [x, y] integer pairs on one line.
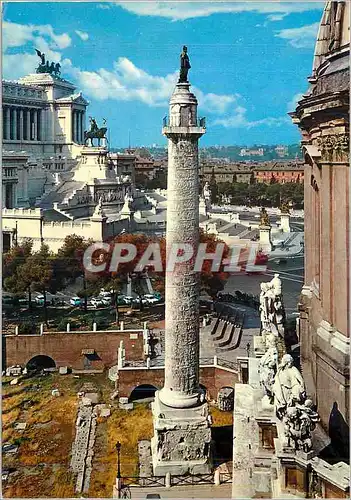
{"points": [[118, 448]]}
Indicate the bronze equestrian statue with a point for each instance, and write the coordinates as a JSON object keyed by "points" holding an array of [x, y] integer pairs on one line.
{"points": [[95, 132]]}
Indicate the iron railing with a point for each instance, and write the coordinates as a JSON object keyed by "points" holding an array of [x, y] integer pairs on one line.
{"points": [[160, 362], [224, 363], [192, 479], [152, 481], [201, 122], [176, 480]]}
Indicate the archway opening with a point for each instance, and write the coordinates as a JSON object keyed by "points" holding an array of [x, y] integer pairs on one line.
{"points": [[144, 391], [40, 362]]}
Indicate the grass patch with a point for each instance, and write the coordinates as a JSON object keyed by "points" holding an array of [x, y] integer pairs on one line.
{"points": [[42, 461], [127, 427], [220, 418]]}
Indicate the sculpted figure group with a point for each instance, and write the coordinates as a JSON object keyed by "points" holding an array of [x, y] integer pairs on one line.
{"points": [[271, 307], [282, 382]]}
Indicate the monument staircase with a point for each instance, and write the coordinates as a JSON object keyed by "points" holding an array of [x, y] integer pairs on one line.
{"points": [[60, 193], [227, 330]]}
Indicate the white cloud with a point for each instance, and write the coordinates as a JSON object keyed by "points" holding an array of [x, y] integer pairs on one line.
{"points": [[15, 66], [239, 120], [41, 37], [304, 37], [276, 17], [127, 82], [82, 35], [184, 10], [16, 35]]}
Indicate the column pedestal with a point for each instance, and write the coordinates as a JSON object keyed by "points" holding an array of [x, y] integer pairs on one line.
{"points": [[265, 238], [285, 222], [182, 442]]}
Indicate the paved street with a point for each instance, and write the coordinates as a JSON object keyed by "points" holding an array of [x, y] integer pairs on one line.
{"points": [[290, 273], [201, 491]]}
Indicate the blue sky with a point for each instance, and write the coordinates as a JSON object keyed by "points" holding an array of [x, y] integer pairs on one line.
{"points": [[250, 61]]}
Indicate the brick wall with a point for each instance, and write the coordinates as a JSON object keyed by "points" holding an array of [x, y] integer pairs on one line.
{"points": [[213, 378], [66, 348]]}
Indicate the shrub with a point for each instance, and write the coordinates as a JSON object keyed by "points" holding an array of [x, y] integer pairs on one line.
{"points": [[27, 328]]}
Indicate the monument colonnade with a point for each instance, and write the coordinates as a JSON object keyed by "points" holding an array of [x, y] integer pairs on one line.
{"points": [[78, 121], [22, 123]]}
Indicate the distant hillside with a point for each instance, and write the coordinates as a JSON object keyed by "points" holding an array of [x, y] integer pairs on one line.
{"points": [[255, 153]]}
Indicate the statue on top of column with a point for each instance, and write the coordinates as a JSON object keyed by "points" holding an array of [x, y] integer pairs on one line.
{"points": [[264, 217], [284, 208], [184, 66]]}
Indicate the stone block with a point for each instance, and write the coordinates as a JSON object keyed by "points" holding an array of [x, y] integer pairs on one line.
{"points": [[123, 400], [86, 401], [105, 412], [10, 448], [126, 406], [13, 371], [182, 440], [93, 396], [63, 370], [20, 426]]}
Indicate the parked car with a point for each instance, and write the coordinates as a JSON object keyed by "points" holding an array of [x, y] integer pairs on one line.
{"points": [[76, 301], [151, 299], [97, 302], [39, 299], [122, 300], [128, 299], [106, 300], [143, 301]]}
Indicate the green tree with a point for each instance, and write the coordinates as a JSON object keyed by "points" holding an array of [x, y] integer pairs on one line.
{"points": [[69, 262], [15, 257]]}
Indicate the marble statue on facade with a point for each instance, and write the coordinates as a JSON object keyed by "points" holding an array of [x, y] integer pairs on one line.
{"points": [[267, 367], [299, 422], [184, 66], [271, 307], [288, 387], [99, 212]]}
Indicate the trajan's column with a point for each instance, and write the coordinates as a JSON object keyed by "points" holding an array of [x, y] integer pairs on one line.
{"points": [[182, 434]]}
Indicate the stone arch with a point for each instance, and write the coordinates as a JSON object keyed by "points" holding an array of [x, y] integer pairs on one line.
{"points": [[143, 391], [41, 361]]}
